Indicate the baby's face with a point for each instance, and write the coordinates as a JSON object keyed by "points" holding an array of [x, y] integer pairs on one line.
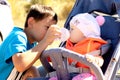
{"points": [[75, 34]]}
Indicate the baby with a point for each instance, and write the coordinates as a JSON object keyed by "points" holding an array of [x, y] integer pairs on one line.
{"points": [[85, 38]]}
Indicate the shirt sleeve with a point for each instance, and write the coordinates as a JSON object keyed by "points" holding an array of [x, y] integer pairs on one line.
{"points": [[17, 43]]}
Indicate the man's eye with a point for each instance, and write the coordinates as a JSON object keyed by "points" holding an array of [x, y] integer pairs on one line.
{"points": [[71, 29], [47, 27]]}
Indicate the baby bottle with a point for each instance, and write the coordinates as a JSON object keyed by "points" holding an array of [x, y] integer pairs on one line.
{"points": [[64, 34]]}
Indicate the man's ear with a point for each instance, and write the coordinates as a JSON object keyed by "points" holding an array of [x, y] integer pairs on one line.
{"points": [[31, 21]]}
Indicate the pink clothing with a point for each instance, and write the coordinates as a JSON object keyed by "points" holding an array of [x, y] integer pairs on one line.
{"points": [[82, 76], [53, 78], [85, 76]]}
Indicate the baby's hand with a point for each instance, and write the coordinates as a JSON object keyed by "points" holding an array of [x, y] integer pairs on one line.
{"points": [[94, 59], [90, 58]]}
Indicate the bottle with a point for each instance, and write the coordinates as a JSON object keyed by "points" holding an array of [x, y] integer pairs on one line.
{"points": [[64, 34]]}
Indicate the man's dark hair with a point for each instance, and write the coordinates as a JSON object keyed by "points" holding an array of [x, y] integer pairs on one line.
{"points": [[39, 12]]}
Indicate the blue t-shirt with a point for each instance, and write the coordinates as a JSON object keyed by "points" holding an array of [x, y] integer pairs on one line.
{"points": [[14, 43]]}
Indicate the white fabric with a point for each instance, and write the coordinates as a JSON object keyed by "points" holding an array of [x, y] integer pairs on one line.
{"points": [[87, 25], [6, 22], [15, 75]]}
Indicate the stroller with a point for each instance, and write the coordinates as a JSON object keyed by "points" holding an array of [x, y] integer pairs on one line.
{"points": [[109, 31]]}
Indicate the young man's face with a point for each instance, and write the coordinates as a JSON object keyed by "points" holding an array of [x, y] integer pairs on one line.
{"points": [[40, 28], [75, 34]]}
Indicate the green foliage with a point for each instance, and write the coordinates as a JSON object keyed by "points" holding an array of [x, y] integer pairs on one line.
{"points": [[36, 1]]}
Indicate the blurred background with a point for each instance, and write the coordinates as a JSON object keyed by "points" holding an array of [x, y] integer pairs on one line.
{"points": [[20, 8]]}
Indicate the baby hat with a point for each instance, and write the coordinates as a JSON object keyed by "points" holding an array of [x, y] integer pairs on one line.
{"points": [[87, 24]]}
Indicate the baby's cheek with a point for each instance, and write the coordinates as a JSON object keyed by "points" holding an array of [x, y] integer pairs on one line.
{"points": [[73, 39]]}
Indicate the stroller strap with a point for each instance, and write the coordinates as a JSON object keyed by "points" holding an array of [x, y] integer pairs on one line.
{"points": [[73, 69]]}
